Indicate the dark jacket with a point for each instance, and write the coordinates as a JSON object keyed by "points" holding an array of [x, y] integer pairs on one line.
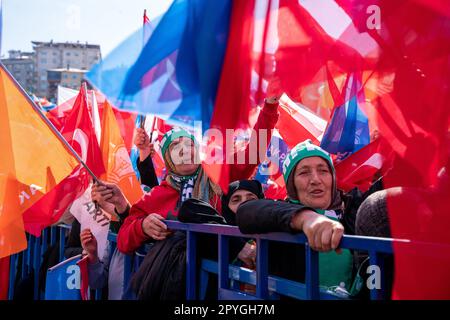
{"points": [[262, 216], [162, 274], [147, 172], [73, 244], [198, 211]]}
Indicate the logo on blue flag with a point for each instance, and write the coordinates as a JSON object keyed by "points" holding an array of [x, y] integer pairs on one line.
{"points": [[64, 280]]}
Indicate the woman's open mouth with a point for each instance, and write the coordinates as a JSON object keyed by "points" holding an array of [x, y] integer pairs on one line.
{"points": [[317, 193]]}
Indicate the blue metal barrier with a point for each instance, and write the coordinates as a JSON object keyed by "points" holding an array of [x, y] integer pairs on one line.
{"points": [[12, 275], [267, 286], [31, 258]]}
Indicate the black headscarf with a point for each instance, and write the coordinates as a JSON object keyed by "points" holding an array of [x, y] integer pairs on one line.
{"points": [[254, 186]]}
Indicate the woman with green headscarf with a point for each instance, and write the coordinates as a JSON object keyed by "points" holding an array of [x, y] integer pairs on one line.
{"points": [[314, 206], [185, 179]]}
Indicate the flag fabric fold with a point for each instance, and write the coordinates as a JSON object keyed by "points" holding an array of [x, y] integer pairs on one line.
{"points": [[116, 160], [79, 132], [32, 162], [348, 130], [187, 47], [297, 124]]}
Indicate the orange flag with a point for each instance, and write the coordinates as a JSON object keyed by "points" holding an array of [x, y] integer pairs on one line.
{"points": [[29, 151], [119, 169]]}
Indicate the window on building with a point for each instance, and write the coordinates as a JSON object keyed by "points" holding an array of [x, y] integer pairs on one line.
{"points": [[43, 77], [55, 53], [43, 60], [67, 53], [74, 76], [44, 53], [66, 76], [55, 61]]}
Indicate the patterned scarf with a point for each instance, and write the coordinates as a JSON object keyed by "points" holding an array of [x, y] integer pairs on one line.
{"points": [[185, 184], [197, 186]]}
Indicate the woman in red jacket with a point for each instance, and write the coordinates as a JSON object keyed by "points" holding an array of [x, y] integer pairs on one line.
{"points": [[185, 179]]}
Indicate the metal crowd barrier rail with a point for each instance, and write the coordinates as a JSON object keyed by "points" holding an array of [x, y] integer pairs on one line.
{"points": [[376, 248], [266, 285], [31, 259]]}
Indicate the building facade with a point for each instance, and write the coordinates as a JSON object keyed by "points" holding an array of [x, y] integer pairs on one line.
{"points": [[22, 67], [51, 56], [66, 77]]}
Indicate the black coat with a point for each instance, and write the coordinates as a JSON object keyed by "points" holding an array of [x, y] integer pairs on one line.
{"points": [[287, 260], [162, 274], [73, 247], [147, 172]]}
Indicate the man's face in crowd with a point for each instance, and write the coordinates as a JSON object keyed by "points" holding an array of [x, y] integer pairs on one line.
{"points": [[239, 197], [313, 182]]}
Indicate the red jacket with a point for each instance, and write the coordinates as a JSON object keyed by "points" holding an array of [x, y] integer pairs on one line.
{"points": [[163, 199]]}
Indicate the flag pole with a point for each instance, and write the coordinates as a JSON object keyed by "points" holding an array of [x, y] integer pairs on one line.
{"points": [[48, 122], [144, 22], [84, 86], [147, 20], [153, 128]]}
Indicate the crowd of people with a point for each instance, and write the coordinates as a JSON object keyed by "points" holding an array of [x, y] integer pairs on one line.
{"points": [[314, 206]]}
